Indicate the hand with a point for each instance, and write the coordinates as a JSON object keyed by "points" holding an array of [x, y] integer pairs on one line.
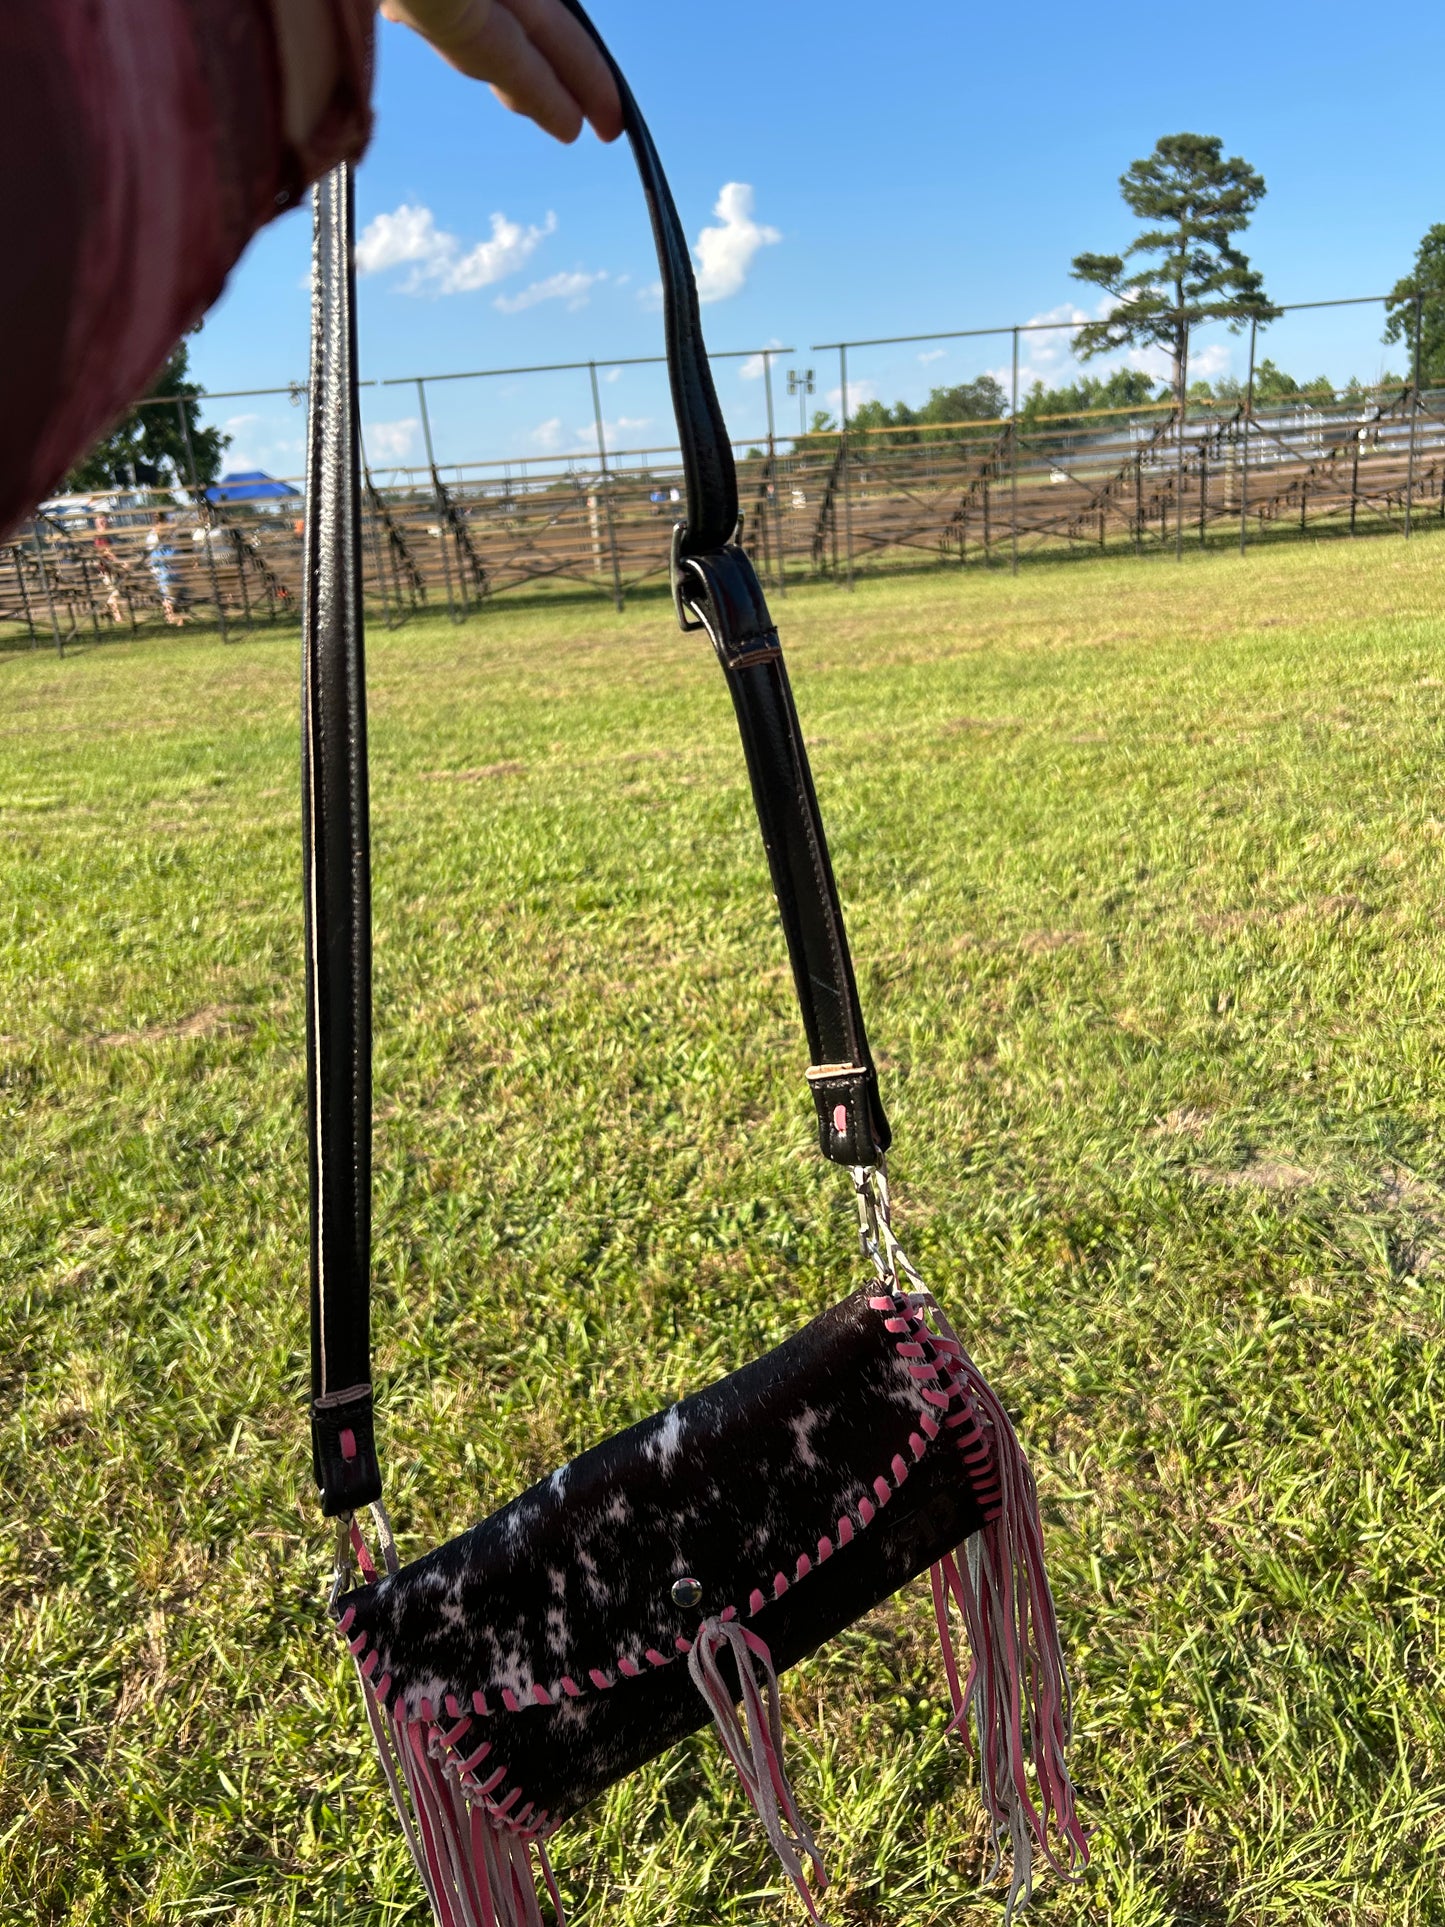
{"points": [[536, 57]]}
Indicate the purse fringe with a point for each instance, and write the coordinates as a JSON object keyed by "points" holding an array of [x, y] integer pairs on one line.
{"points": [[1016, 1688], [478, 1869], [757, 1750]]}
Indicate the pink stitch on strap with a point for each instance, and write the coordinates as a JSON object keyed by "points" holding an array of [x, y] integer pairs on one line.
{"points": [[510, 1701], [825, 1548], [916, 1445], [505, 1806], [599, 1679], [479, 1703], [457, 1732], [490, 1784], [780, 1585], [866, 1511], [756, 1602], [450, 1702], [570, 1687], [897, 1325], [880, 1304], [347, 1619], [474, 1760], [383, 1687], [655, 1658], [928, 1425], [883, 1489], [628, 1666], [541, 1695], [911, 1350], [426, 1711], [727, 1613], [845, 1531], [900, 1468], [805, 1566], [348, 1444], [682, 1645], [354, 1646], [370, 1664]]}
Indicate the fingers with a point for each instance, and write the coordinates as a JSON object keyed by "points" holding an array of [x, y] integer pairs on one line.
{"points": [[533, 54], [575, 58]]}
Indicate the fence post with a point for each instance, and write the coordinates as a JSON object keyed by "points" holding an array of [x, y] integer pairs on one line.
{"points": [[373, 520], [24, 594], [606, 488], [45, 585], [779, 570], [436, 487], [843, 461], [1248, 419], [1414, 420], [1013, 457], [203, 509]]}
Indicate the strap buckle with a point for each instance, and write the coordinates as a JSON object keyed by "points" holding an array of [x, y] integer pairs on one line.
{"points": [[684, 622]]}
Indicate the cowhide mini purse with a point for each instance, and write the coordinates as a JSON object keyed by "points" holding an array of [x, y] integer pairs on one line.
{"points": [[665, 1577]]}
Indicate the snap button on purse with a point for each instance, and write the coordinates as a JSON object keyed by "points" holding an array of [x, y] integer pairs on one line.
{"points": [[665, 1577]]}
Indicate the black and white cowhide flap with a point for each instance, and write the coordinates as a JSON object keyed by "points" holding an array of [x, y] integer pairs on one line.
{"points": [[546, 1650]]}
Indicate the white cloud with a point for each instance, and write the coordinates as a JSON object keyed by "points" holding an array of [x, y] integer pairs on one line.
{"points": [[394, 440], [753, 368], [650, 297], [573, 288], [410, 237], [613, 374], [725, 253], [548, 435], [932, 354]]}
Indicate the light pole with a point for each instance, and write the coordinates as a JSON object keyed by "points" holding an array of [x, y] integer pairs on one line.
{"points": [[800, 383]]}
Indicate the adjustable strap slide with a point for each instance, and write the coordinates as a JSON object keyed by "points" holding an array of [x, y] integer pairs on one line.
{"points": [[716, 587], [337, 875]]}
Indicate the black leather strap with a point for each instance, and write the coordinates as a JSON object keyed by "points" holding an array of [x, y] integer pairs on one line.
{"points": [[715, 586], [337, 875]]}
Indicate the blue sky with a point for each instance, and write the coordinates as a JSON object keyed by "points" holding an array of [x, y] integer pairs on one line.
{"points": [[845, 171]]}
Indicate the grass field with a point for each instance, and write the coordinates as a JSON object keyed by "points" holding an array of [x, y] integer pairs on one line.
{"points": [[1144, 871]]}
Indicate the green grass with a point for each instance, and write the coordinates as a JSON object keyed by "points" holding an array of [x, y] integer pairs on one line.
{"points": [[1144, 871]]}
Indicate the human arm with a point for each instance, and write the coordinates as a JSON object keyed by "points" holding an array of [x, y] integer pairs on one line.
{"points": [[145, 142]]}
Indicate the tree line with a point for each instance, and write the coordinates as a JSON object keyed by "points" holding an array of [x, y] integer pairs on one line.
{"points": [[1184, 268]]}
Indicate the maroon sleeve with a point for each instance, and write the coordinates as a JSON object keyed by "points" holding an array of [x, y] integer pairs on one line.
{"points": [[143, 145]]}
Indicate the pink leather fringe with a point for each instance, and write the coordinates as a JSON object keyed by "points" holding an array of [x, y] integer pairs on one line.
{"points": [[1016, 1689], [757, 1750], [478, 1870]]}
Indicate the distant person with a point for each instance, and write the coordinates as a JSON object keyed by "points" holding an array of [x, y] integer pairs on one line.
{"points": [[161, 561], [145, 141], [110, 566]]}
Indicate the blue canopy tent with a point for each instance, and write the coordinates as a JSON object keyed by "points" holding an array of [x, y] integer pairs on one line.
{"points": [[252, 485]]}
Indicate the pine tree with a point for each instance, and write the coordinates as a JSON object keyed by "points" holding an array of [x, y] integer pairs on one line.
{"points": [[1195, 201]]}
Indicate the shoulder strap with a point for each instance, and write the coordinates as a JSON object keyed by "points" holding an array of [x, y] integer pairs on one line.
{"points": [[715, 588], [337, 879]]}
